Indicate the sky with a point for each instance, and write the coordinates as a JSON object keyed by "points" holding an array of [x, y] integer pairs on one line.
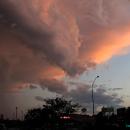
{"points": [[57, 48]]}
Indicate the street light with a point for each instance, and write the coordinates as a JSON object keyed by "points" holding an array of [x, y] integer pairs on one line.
{"points": [[92, 92]]}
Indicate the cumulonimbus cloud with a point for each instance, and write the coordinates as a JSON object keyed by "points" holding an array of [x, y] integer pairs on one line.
{"points": [[43, 40]]}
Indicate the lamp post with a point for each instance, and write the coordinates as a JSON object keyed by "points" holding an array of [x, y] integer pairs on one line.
{"points": [[92, 92]]}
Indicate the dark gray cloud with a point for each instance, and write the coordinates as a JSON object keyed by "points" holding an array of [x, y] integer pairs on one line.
{"points": [[54, 85], [82, 94], [115, 89], [101, 97]]}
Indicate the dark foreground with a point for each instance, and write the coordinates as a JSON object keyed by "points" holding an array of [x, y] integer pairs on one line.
{"points": [[65, 124]]}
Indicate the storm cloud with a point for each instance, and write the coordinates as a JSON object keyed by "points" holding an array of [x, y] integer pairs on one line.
{"points": [[101, 97], [82, 94], [43, 41]]}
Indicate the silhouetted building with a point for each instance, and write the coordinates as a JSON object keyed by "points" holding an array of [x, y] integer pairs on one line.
{"points": [[1, 117], [121, 112], [107, 111]]}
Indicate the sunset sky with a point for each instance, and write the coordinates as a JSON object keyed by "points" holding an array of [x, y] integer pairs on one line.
{"points": [[58, 47]]}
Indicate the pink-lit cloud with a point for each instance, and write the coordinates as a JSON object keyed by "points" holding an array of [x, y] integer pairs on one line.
{"points": [[46, 40]]}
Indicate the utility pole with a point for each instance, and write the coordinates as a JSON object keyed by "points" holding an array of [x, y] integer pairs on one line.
{"points": [[16, 113]]}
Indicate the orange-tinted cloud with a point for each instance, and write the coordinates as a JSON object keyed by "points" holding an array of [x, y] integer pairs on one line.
{"points": [[20, 65], [114, 42], [51, 72], [49, 39]]}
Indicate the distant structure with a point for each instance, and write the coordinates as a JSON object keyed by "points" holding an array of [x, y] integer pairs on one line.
{"points": [[108, 111], [22, 115], [16, 113], [121, 111], [1, 117]]}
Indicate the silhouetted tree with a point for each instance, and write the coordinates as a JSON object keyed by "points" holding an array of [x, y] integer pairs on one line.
{"points": [[60, 105], [51, 110], [83, 110], [34, 114]]}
